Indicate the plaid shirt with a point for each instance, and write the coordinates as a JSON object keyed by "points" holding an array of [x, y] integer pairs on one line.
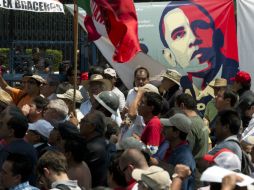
{"points": [[24, 186]]}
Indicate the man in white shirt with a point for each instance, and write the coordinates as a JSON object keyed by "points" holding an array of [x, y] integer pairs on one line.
{"points": [[110, 74]]}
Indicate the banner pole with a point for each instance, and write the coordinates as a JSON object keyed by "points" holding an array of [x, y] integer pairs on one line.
{"points": [[75, 44]]}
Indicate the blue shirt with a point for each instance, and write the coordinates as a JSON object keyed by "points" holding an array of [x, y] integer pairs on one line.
{"points": [[182, 155], [24, 186]]}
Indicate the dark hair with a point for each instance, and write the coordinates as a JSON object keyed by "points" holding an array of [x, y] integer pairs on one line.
{"points": [[182, 135], [21, 165], [141, 68], [77, 149], [230, 118], [70, 71], [175, 5], [172, 112], [228, 93], [54, 160], [112, 128], [18, 122], [155, 100], [188, 101], [68, 130], [40, 102], [98, 120], [95, 70], [114, 169], [245, 87]]}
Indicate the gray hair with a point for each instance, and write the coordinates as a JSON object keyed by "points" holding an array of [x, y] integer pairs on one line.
{"points": [[60, 107]]}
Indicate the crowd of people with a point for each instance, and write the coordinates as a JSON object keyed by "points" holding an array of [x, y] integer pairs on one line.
{"points": [[152, 138]]}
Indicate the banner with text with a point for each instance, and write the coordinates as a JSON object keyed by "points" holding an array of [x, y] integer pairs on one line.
{"points": [[33, 5]]}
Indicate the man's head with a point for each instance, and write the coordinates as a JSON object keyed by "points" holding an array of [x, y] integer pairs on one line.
{"points": [[186, 102], [110, 74], [141, 76], [13, 124], [225, 99], [131, 159], [32, 84], [71, 75], [176, 127], [150, 104], [242, 82], [51, 164], [218, 84], [51, 85], [93, 123], [228, 123], [56, 111], [187, 31], [170, 79], [38, 132], [36, 108], [15, 170]]}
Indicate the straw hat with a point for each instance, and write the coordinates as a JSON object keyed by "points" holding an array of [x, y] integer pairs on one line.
{"points": [[69, 95], [172, 75], [97, 78], [219, 82], [5, 97], [38, 78]]}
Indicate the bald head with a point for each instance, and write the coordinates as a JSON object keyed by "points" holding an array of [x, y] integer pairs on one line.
{"points": [[134, 157]]}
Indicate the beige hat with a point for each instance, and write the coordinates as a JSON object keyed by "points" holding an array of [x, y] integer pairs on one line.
{"points": [[219, 82], [179, 120], [97, 78], [172, 75], [148, 88], [155, 177], [5, 97], [38, 78], [69, 95]]}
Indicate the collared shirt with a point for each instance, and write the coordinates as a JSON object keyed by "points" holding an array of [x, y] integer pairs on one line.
{"points": [[24, 186], [72, 184]]}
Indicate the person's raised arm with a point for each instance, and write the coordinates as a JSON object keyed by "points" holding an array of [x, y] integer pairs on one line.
{"points": [[133, 110], [4, 85]]}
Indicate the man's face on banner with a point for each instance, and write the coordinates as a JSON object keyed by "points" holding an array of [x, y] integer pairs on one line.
{"points": [[189, 36]]}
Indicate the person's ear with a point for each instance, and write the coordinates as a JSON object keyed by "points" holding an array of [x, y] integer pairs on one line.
{"points": [[169, 56], [46, 172]]}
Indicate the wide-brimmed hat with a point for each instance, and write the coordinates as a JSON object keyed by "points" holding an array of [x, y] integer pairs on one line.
{"points": [[219, 82], [5, 97], [148, 88], [38, 78], [173, 75], [97, 78], [155, 177], [69, 95]]}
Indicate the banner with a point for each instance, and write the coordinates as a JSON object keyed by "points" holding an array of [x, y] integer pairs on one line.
{"points": [[196, 38], [33, 5], [245, 28]]}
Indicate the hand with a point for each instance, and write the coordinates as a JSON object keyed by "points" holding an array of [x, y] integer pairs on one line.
{"points": [[183, 171], [229, 181], [25, 109]]}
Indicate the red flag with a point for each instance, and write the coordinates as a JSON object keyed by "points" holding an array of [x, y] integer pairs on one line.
{"points": [[120, 20]]}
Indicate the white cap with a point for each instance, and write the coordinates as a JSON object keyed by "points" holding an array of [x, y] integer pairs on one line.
{"points": [[110, 71], [41, 126]]}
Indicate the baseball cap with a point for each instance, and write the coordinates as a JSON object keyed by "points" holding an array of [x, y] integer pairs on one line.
{"points": [[110, 71], [69, 95], [41, 126], [155, 177], [173, 75], [179, 120], [38, 78], [225, 158], [242, 77]]}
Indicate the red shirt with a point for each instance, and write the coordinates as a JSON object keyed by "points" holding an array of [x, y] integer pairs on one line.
{"points": [[131, 184], [152, 132]]}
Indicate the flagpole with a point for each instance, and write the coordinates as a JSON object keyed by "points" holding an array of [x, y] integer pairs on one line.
{"points": [[75, 44]]}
